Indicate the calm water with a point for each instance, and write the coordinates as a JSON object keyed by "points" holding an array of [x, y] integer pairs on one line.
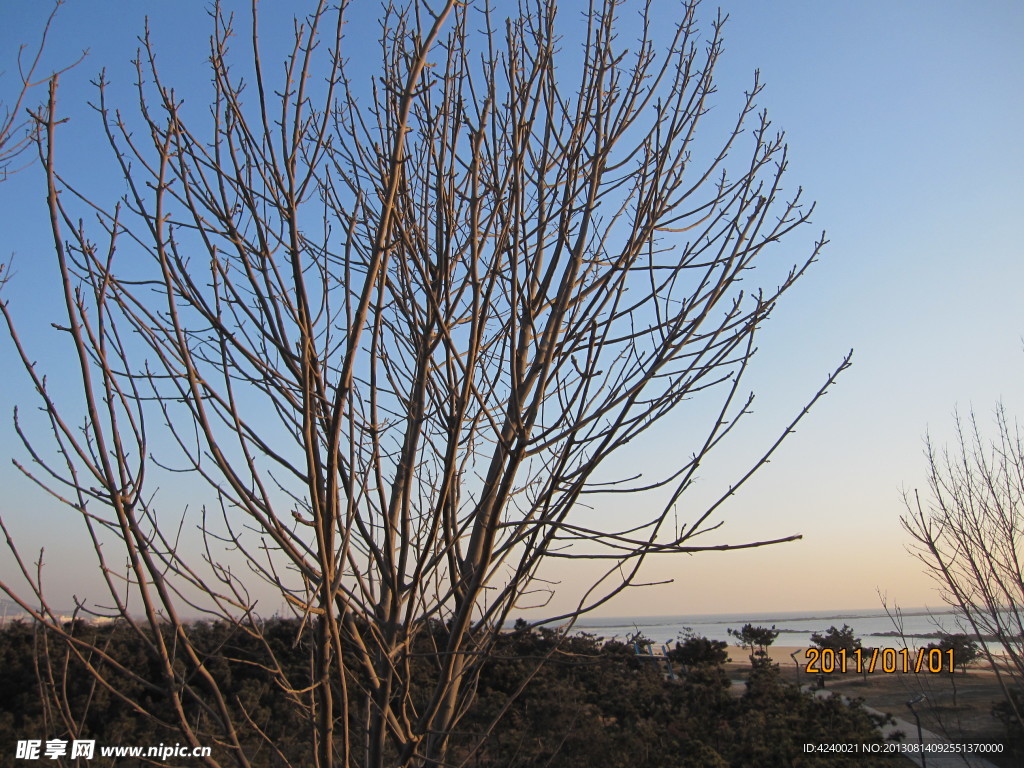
{"points": [[874, 627]]}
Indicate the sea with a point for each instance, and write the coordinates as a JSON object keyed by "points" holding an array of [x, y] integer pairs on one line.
{"points": [[874, 627]]}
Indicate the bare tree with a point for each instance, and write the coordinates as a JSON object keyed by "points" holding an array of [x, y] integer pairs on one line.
{"points": [[969, 533], [400, 328], [15, 127]]}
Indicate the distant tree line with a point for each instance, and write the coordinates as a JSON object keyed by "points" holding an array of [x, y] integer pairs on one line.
{"points": [[591, 703]]}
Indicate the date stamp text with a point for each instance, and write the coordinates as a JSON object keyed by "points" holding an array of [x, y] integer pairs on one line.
{"points": [[825, 661]]}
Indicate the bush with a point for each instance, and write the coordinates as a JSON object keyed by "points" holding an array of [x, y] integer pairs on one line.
{"points": [[590, 704]]}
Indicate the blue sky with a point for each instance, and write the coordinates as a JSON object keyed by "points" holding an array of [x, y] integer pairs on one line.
{"points": [[903, 120]]}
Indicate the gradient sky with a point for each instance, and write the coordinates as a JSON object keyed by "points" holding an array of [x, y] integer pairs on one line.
{"points": [[904, 122]]}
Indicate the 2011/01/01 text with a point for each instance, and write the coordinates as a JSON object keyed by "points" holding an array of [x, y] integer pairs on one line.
{"points": [[889, 660]]}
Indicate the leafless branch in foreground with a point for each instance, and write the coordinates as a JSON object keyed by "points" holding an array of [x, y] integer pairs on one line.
{"points": [[15, 126], [401, 327]]}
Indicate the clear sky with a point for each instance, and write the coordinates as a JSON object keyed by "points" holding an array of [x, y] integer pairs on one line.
{"points": [[904, 122]]}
